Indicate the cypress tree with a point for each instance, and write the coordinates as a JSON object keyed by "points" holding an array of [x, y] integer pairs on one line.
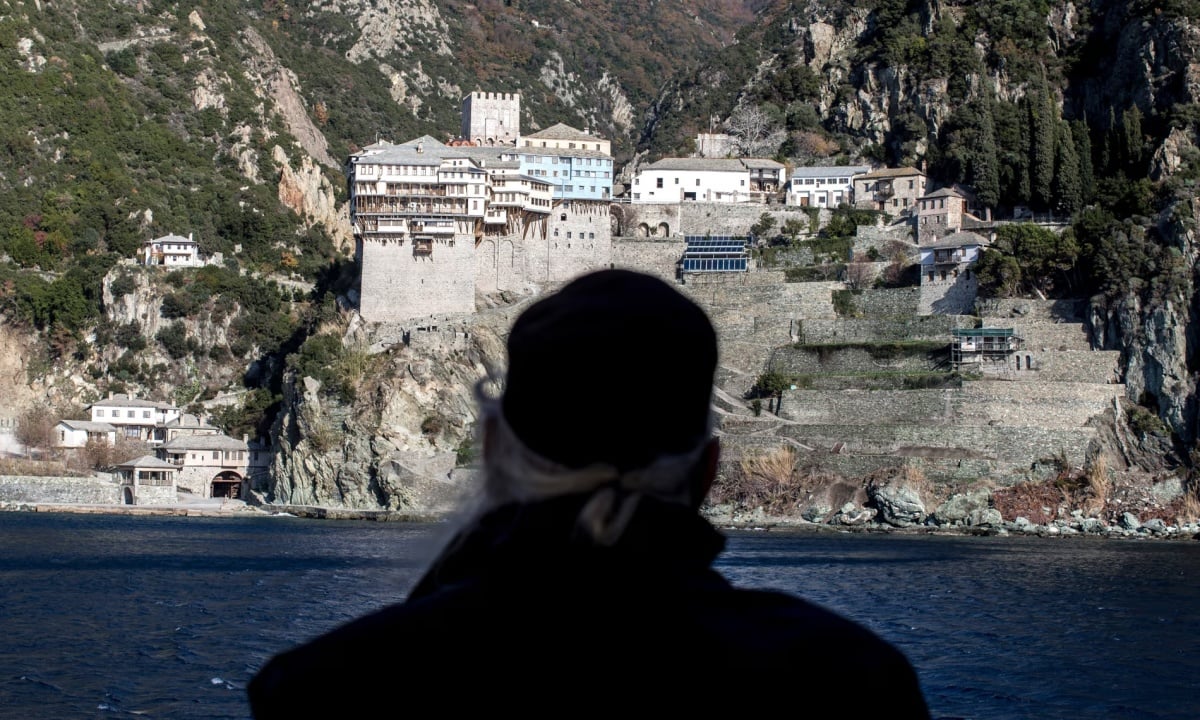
{"points": [[1067, 193], [1108, 153], [1020, 160], [985, 163], [1082, 136], [1132, 141], [1044, 131]]}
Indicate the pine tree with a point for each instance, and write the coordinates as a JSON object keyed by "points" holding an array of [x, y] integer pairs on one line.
{"points": [[1067, 194]]}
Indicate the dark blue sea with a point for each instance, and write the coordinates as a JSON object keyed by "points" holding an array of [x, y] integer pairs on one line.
{"points": [[156, 617]]}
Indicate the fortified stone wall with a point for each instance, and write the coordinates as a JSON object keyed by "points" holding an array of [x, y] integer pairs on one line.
{"points": [[580, 240], [656, 256], [701, 218], [397, 285], [97, 489]]}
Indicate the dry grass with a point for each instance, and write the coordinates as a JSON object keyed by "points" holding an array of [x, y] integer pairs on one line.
{"points": [[37, 468], [1189, 507], [1097, 485], [766, 480]]}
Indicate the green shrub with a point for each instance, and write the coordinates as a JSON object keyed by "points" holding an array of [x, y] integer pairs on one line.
{"points": [[122, 285], [844, 305], [769, 384], [174, 340]]}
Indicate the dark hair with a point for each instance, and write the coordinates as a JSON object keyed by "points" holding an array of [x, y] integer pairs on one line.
{"points": [[616, 367]]}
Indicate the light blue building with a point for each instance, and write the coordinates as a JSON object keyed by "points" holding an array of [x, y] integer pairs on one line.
{"points": [[576, 163]]}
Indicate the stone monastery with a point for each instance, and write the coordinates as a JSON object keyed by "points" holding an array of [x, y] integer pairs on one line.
{"points": [[434, 223]]}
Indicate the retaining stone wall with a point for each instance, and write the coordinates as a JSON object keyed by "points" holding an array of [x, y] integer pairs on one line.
{"points": [[154, 495], [1061, 310], [978, 403], [798, 361], [98, 489], [874, 236], [888, 302], [1034, 391], [656, 256], [1045, 335], [928, 327], [866, 407], [1099, 366], [953, 296], [1016, 446]]}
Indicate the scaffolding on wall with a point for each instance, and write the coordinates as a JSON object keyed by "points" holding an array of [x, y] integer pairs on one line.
{"points": [[977, 347]]}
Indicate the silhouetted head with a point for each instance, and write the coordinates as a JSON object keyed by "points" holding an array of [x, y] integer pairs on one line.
{"points": [[615, 368], [608, 392]]}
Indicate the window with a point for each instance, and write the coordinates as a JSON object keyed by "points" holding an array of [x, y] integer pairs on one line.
{"points": [[697, 182], [568, 234], [591, 236], [130, 413], [99, 412], [216, 454], [145, 413], [676, 181], [133, 432], [658, 182]]}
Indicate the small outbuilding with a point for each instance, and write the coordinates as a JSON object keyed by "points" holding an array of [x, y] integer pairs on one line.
{"points": [[147, 481]]}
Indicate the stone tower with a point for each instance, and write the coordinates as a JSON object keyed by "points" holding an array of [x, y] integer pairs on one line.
{"points": [[491, 118]]}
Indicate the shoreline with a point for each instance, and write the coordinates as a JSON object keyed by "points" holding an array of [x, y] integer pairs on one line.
{"points": [[226, 508]]}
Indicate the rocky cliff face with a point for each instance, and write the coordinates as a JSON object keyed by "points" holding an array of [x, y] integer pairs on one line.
{"points": [[412, 422]]}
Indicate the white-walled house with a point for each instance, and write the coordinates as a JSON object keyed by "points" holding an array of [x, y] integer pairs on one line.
{"points": [[823, 186], [731, 180], [172, 251], [133, 418], [74, 434], [944, 259]]}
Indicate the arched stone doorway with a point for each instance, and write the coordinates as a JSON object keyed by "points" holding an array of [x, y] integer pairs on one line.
{"points": [[127, 496], [227, 485]]}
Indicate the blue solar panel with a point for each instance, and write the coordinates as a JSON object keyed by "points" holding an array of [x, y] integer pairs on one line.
{"points": [[715, 253]]}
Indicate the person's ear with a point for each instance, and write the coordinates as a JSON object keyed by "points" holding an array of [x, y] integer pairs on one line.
{"points": [[706, 472]]}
